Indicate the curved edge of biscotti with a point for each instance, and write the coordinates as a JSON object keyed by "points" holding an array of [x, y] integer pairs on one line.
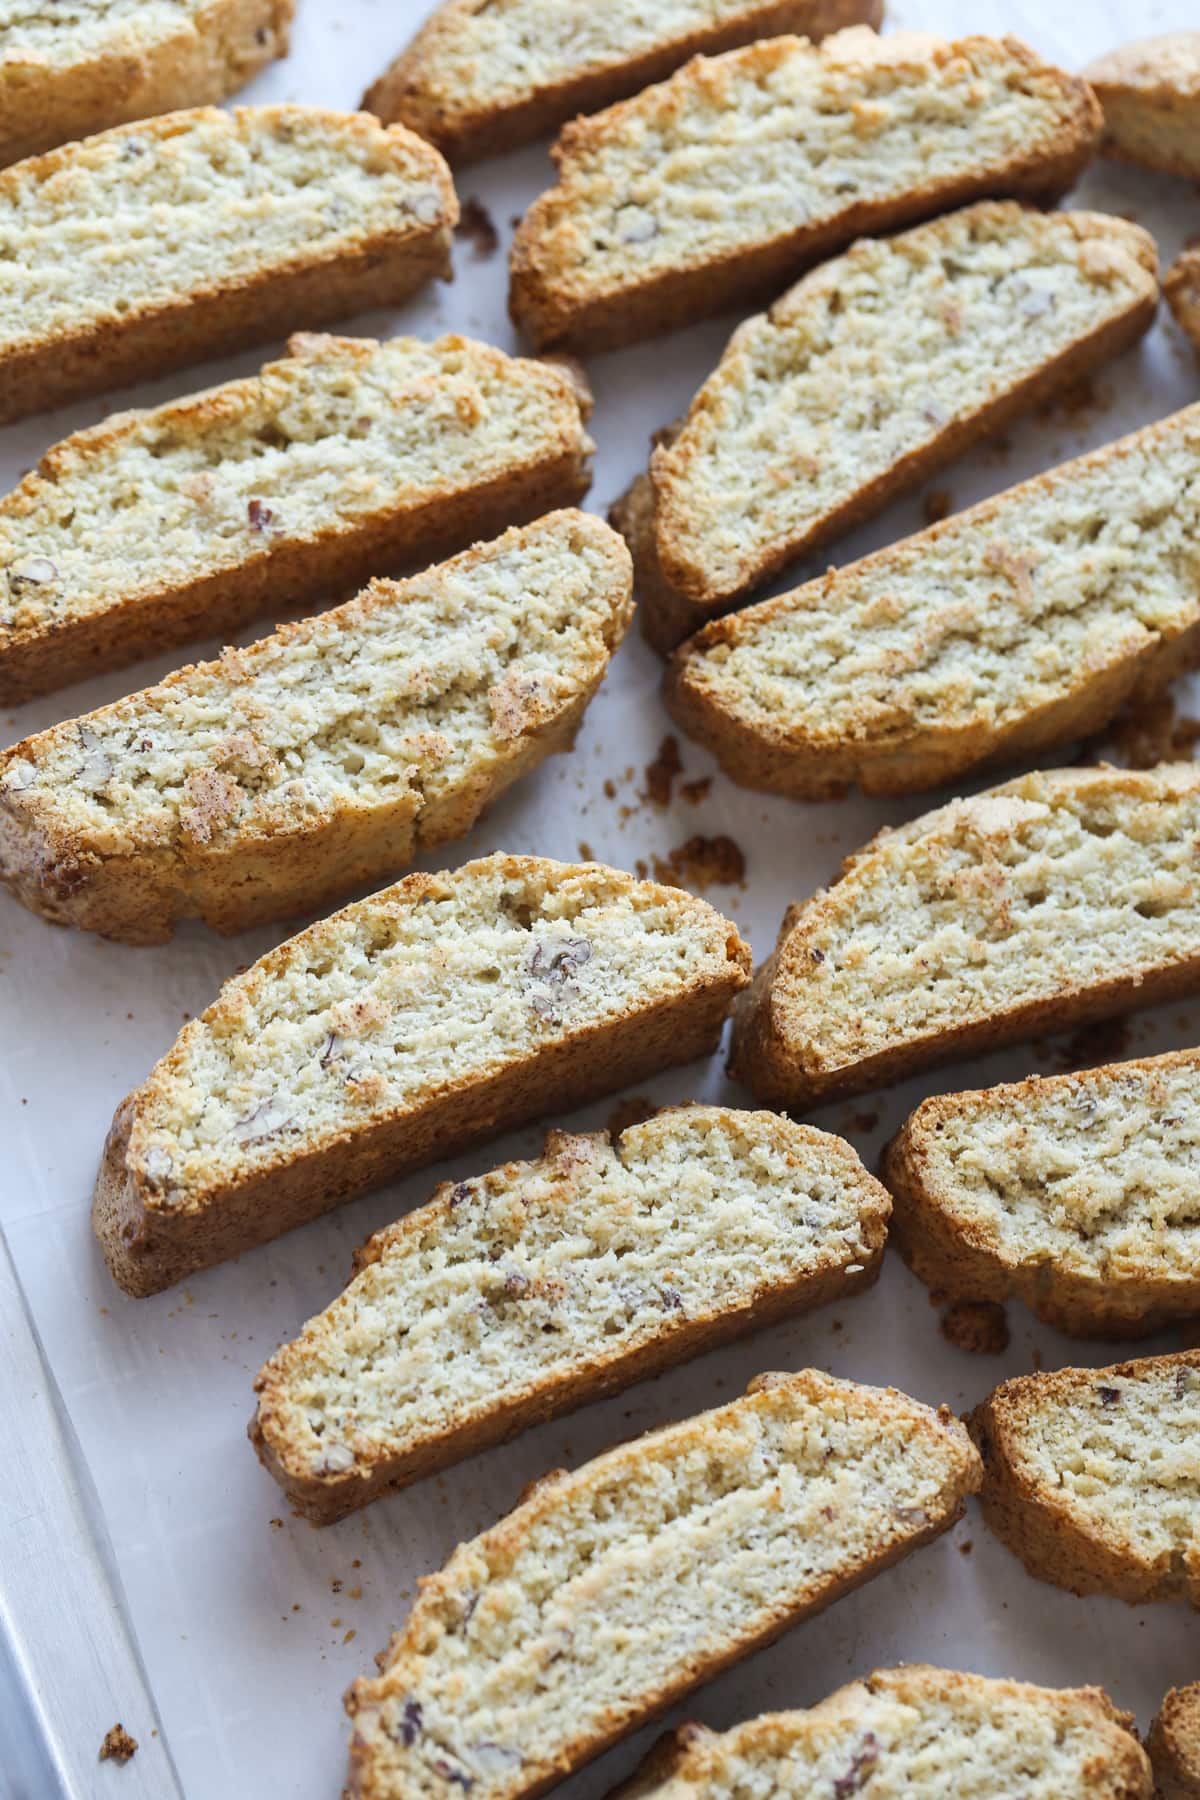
{"points": [[1142, 99], [1181, 288], [956, 1260], [1032, 1522], [1173, 1742]]}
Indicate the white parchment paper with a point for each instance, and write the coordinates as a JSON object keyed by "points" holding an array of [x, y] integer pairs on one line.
{"points": [[250, 1622]]}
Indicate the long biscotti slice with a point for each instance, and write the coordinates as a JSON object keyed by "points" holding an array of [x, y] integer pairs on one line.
{"points": [[912, 1733], [1150, 95], [1062, 897], [477, 79], [438, 1012], [1181, 286], [1174, 1744], [235, 228], [68, 72], [613, 1591], [812, 421], [323, 757], [346, 459], [1016, 626], [1091, 1477], [717, 186], [1075, 1193], [517, 1296]]}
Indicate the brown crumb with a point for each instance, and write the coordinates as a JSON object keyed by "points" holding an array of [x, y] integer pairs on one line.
{"points": [[586, 853], [966, 1547], [335, 1584], [478, 228], [610, 788], [979, 1326], [276, 1524], [702, 863], [696, 791], [661, 773], [118, 1746], [641, 868], [937, 505], [633, 1110]]}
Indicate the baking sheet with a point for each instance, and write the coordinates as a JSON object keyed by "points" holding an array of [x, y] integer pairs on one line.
{"points": [[250, 1623]]}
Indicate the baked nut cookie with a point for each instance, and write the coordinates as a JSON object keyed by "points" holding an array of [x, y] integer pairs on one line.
{"points": [[1150, 95], [1174, 1744], [1181, 287], [613, 1591]]}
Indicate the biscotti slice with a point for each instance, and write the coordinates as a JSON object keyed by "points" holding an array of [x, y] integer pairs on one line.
{"points": [[1076, 1193], [477, 79], [346, 459], [1091, 1476], [912, 1733], [1016, 626], [612, 1591], [1150, 95], [235, 227], [324, 757], [1181, 285], [717, 186], [1062, 897], [1174, 1744], [439, 1012], [517, 1296], [812, 421], [66, 72]]}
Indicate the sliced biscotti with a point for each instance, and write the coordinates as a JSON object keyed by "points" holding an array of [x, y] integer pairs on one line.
{"points": [[235, 228], [611, 1591], [1018, 625], [912, 1733], [1061, 897], [66, 72], [344, 460], [537, 1287], [1181, 286], [1174, 1744], [440, 1011], [1150, 94], [719, 185], [1091, 1476], [323, 757], [811, 421], [1076, 1193], [481, 78]]}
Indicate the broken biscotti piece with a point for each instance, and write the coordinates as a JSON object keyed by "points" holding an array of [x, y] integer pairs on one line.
{"points": [[1021, 624], [236, 227], [441, 1011], [998, 305], [612, 1591], [479, 79], [1150, 95], [517, 1296], [323, 757], [1181, 285], [915, 1732], [1174, 1744], [346, 459], [68, 73], [717, 186], [1074, 1193], [1062, 897], [1090, 1476]]}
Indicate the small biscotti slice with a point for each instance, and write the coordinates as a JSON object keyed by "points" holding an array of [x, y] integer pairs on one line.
{"points": [[1062, 897], [1016, 626], [1091, 1476], [913, 1733], [1181, 286], [321, 758], [1078, 1194], [612, 1591], [1174, 1744], [517, 1296], [1150, 95], [719, 185], [812, 421], [439, 1012], [346, 459], [66, 73], [235, 227], [481, 78]]}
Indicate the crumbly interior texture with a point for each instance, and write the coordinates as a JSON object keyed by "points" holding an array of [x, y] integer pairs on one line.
{"points": [[62, 32], [531, 1274], [981, 621], [435, 983], [815, 399], [735, 149], [612, 1588], [1053, 883], [1150, 93], [341, 432], [412, 693], [143, 215], [919, 1733]]}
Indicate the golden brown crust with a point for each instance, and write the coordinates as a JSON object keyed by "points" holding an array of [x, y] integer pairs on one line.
{"points": [[1150, 93], [1174, 1744], [1181, 288]]}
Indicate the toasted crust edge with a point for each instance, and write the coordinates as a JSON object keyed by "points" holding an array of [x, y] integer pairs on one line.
{"points": [[1173, 1742]]}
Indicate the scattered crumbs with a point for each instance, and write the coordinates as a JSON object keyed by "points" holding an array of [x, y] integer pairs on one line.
{"points": [[129, 1015], [295, 1606], [1077, 397], [118, 1746], [696, 791], [335, 1584], [979, 1326], [836, 1325], [937, 505], [276, 1524], [357, 1563], [661, 773], [966, 1547], [355, 1593], [349, 1635], [586, 853], [185, 1017], [104, 1312], [514, 220], [477, 227], [1107, 1041], [701, 863], [610, 788], [631, 1111], [1150, 733], [335, 1624]]}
